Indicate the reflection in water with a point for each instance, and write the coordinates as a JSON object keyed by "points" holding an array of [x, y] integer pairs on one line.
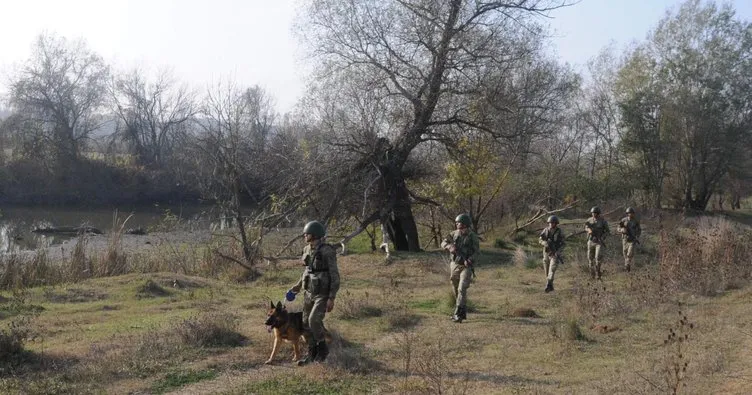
{"points": [[17, 224]]}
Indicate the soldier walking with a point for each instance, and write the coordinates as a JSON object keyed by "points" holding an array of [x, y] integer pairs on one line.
{"points": [[320, 281], [630, 230], [552, 240], [462, 244], [596, 228]]}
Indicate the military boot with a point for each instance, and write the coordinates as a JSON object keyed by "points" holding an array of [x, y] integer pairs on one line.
{"points": [[323, 351], [549, 286], [463, 312], [628, 267], [457, 316], [313, 351]]}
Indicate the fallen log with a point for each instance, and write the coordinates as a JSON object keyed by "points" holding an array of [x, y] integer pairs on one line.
{"points": [[67, 230]]}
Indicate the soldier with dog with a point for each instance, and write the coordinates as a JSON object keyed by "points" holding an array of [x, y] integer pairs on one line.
{"points": [[320, 280], [462, 245]]}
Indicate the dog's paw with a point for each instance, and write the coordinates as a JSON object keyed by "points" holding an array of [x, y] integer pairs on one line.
{"points": [[268, 362]]}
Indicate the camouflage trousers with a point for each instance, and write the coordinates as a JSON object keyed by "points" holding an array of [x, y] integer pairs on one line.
{"points": [[460, 279], [550, 263], [627, 248], [594, 256], [314, 310]]}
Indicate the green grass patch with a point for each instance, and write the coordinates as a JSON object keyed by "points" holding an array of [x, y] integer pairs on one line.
{"points": [[427, 305], [174, 380], [361, 243], [504, 244]]}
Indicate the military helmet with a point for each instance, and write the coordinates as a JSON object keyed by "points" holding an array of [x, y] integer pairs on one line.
{"points": [[315, 228], [595, 209], [553, 219], [463, 219], [630, 210]]}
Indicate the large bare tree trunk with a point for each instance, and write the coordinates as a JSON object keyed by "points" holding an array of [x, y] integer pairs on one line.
{"points": [[403, 230]]}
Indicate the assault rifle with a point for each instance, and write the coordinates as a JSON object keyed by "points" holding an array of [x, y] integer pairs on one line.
{"points": [[547, 249], [464, 259], [596, 239], [630, 237]]}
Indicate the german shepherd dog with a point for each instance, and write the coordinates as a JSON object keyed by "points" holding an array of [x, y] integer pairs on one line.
{"points": [[287, 327]]}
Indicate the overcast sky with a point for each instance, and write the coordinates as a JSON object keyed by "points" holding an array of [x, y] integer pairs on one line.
{"points": [[252, 41]]}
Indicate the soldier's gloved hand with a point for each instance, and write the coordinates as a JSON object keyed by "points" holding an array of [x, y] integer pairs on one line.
{"points": [[468, 262], [329, 305]]}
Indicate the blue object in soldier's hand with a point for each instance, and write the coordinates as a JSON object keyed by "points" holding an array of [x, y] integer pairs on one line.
{"points": [[290, 296]]}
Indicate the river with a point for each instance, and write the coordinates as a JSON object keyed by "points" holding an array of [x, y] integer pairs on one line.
{"points": [[17, 223]]}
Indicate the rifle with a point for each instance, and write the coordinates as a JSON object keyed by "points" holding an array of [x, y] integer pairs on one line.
{"points": [[630, 236], [470, 266], [596, 239], [549, 252]]}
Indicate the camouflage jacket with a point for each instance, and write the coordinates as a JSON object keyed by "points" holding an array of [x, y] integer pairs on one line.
{"points": [[599, 229], [466, 246], [630, 229], [552, 240], [321, 277]]}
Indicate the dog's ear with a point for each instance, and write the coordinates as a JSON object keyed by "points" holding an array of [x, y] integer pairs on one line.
{"points": [[272, 304], [279, 305]]}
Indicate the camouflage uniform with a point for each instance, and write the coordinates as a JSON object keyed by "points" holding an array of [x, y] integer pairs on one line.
{"points": [[320, 281], [466, 247], [630, 232], [595, 244], [552, 240]]}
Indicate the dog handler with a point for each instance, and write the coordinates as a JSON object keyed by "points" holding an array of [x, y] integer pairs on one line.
{"points": [[320, 281]]}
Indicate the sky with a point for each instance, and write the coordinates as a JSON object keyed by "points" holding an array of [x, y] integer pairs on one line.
{"points": [[252, 41]]}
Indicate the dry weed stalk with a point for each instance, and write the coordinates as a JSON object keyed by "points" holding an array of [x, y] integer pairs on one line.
{"points": [[709, 257]]}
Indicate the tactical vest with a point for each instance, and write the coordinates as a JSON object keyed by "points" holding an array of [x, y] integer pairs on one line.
{"points": [[631, 226], [317, 279], [554, 242], [598, 227], [464, 246]]}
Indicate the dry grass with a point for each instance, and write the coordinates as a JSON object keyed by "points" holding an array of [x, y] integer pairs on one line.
{"points": [[708, 257], [392, 332]]}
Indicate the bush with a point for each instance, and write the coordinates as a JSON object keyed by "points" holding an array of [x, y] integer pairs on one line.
{"points": [[503, 244], [13, 338], [211, 330], [356, 307], [709, 257]]}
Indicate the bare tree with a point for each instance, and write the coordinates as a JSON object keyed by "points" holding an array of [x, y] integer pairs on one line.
{"points": [[229, 156], [57, 92], [151, 115], [424, 59]]}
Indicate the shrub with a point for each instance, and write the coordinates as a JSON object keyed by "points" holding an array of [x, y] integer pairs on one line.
{"points": [[151, 289], [710, 256], [13, 338], [356, 307], [211, 330]]}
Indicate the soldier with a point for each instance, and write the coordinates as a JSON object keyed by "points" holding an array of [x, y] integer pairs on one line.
{"points": [[320, 281], [630, 230], [462, 244], [552, 239], [596, 229]]}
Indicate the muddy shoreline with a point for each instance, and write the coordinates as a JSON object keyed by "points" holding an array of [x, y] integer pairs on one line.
{"points": [[130, 244]]}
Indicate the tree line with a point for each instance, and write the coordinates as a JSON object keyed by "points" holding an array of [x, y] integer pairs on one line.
{"points": [[417, 110]]}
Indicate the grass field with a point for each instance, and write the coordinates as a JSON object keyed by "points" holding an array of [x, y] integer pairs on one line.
{"points": [[170, 333]]}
